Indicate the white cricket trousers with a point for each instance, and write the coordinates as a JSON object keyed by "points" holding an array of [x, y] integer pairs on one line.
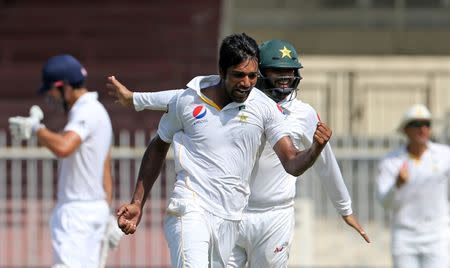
{"points": [[77, 229], [197, 238], [264, 240], [421, 261], [436, 258], [417, 252]]}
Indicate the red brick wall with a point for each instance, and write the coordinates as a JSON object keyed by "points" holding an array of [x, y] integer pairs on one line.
{"points": [[149, 45]]}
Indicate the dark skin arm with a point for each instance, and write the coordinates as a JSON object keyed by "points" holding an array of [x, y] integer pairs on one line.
{"points": [[129, 215], [296, 162]]}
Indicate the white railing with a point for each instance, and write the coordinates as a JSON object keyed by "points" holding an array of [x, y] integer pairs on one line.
{"points": [[27, 194]]}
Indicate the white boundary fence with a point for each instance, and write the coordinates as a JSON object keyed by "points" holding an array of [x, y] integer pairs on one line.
{"points": [[27, 192]]}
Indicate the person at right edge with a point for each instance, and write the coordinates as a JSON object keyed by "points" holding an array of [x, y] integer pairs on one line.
{"points": [[413, 185]]}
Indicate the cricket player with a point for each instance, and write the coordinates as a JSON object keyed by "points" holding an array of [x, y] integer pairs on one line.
{"points": [[216, 126], [79, 218], [413, 184], [265, 233]]}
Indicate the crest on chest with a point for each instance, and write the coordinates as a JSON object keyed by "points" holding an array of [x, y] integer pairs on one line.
{"points": [[199, 114]]}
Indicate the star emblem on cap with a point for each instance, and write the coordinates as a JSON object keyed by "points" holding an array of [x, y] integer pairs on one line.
{"points": [[285, 52]]}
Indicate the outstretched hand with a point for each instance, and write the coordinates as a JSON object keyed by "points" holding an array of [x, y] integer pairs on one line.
{"points": [[118, 91], [353, 222], [129, 217]]}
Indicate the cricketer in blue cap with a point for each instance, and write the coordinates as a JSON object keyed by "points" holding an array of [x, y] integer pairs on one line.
{"points": [[83, 148], [60, 70]]}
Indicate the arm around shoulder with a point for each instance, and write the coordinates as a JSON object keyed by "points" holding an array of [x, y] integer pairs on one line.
{"points": [[156, 101]]}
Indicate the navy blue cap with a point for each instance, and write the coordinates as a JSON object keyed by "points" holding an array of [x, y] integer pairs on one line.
{"points": [[62, 69]]}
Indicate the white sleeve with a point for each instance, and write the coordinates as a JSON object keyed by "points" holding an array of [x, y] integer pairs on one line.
{"points": [[275, 124], [170, 122], [447, 173], [154, 100], [330, 176], [80, 123], [385, 184], [448, 162], [327, 168]]}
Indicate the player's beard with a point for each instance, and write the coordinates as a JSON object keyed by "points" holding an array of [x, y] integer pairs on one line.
{"points": [[240, 94]]}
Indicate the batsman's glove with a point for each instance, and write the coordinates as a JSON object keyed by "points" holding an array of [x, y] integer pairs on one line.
{"points": [[113, 233], [23, 127]]}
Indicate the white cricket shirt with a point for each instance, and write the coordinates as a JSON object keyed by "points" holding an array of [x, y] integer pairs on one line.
{"points": [[81, 173], [272, 187], [419, 207], [215, 149]]}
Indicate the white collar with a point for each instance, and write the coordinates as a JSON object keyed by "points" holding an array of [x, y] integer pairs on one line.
{"points": [[86, 97], [199, 82]]}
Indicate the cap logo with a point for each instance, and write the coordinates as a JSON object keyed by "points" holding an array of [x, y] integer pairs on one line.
{"points": [[285, 52], [58, 83], [83, 72], [419, 112]]}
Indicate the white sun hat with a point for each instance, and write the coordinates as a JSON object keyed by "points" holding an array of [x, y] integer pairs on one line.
{"points": [[415, 112]]}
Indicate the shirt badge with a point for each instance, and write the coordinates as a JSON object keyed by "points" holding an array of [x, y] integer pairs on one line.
{"points": [[243, 118], [199, 112]]}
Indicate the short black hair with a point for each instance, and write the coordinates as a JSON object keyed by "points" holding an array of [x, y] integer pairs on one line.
{"points": [[236, 48]]}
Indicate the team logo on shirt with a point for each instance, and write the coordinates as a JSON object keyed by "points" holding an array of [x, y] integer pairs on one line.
{"points": [[199, 112], [280, 108], [243, 118], [280, 247]]}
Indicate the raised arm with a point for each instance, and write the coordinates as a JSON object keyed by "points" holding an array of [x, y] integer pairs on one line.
{"points": [[118, 91], [156, 101]]}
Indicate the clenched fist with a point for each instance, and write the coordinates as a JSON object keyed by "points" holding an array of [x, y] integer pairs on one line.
{"points": [[129, 217], [322, 134], [403, 175]]}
